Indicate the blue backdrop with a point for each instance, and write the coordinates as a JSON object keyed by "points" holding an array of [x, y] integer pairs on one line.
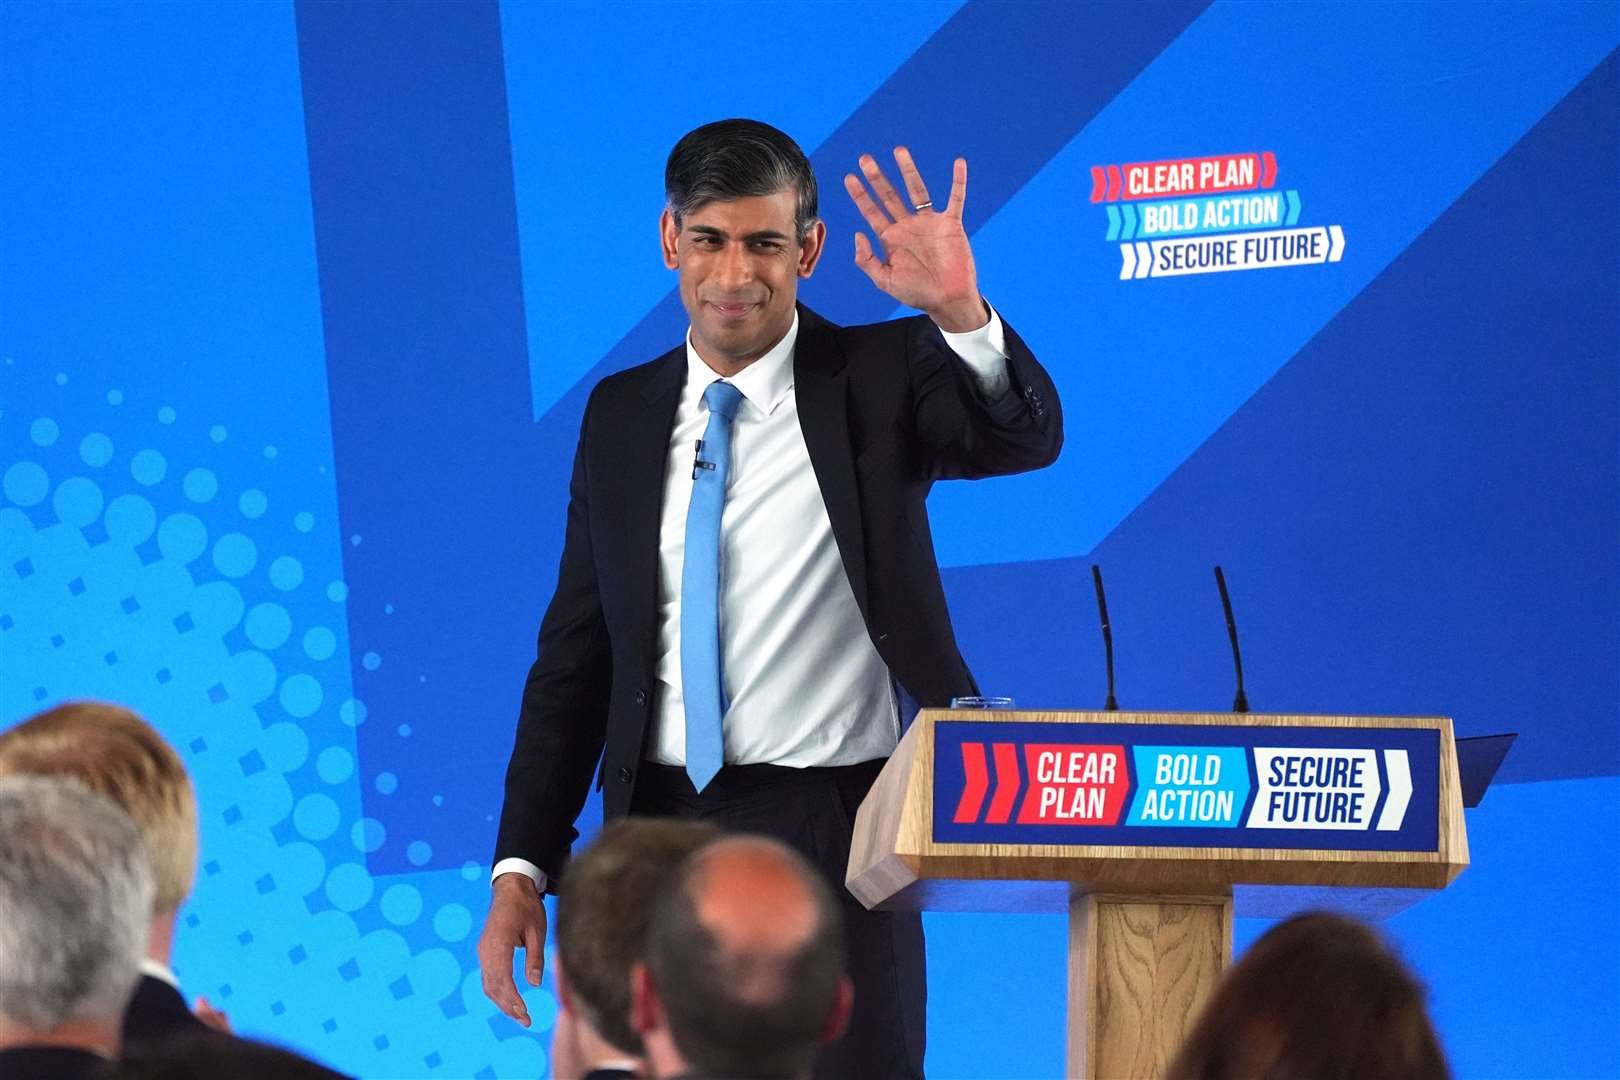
{"points": [[299, 304]]}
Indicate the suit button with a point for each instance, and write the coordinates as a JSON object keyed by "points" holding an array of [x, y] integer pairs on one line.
{"points": [[641, 697], [624, 776]]}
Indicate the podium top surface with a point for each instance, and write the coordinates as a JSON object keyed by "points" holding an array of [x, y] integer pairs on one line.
{"points": [[984, 809]]}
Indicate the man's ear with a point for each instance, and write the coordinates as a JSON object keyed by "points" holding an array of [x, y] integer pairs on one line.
{"points": [[646, 1014], [668, 236], [843, 1007], [810, 249]]}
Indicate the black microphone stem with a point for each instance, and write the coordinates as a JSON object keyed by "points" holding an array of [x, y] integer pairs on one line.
{"points": [[1108, 637], [1240, 704]]}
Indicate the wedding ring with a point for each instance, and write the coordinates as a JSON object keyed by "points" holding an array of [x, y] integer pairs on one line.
{"points": [[920, 207]]}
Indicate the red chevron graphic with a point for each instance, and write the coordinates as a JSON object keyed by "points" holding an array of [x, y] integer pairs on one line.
{"points": [[978, 782], [1007, 782], [1180, 177]]}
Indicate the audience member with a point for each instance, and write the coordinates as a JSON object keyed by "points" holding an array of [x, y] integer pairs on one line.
{"points": [[120, 756], [1318, 997], [75, 903], [605, 901], [744, 970]]}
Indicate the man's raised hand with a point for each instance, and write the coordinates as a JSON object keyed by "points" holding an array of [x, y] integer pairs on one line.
{"points": [[517, 920], [928, 263]]}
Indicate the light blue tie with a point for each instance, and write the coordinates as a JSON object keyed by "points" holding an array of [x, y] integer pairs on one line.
{"points": [[701, 677]]}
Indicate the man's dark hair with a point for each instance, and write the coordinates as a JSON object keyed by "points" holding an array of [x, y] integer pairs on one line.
{"points": [[604, 901], [1318, 996], [738, 159], [710, 993]]}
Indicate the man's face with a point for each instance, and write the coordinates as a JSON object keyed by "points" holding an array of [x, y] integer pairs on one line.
{"points": [[740, 263]]}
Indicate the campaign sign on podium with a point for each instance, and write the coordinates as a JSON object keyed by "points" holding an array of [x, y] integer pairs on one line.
{"points": [[1357, 789], [1151, 830]]}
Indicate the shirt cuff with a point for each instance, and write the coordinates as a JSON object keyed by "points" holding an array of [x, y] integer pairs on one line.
{"points": [[984, 351], [520, 866]]}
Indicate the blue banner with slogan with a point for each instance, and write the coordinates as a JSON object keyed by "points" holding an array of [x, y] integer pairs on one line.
{"points": [[1353, 789]]}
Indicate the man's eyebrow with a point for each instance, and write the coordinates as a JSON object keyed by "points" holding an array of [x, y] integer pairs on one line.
{"points": [[761, 234]]}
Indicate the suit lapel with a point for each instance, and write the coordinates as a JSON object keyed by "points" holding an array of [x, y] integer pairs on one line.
{"points": [[643, 456], [821, 390]]}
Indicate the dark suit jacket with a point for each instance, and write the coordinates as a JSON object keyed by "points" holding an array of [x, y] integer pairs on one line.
{"points": [[158, 1011], [886, 410], [53, 1063]]}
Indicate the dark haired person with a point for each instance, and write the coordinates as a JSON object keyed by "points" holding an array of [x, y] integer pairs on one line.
{"points": [[744, 975], [740, 627], [1318, 997], [602, 913]]}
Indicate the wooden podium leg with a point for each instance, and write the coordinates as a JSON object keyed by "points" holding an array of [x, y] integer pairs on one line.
{"points": [[1140, 968]]}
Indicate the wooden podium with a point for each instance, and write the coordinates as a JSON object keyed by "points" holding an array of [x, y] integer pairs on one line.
{"points": [[1149, 829]]}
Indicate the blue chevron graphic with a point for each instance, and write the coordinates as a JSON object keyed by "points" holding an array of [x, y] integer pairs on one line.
{"points": [[1114, 218]]}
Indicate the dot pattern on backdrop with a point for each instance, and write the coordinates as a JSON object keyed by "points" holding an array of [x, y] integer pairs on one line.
{"points": [[142, 562]]}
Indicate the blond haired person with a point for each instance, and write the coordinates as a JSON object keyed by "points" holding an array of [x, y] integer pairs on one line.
{"points": [[120, 756]]}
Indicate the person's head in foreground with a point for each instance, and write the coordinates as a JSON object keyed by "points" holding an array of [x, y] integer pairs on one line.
{"points": [[118, 755], [605, 902], [1318, 997], [75, 901], [744, 970]]}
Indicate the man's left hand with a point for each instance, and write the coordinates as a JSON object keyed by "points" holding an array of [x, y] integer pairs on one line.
{"points": [[928, 263]]}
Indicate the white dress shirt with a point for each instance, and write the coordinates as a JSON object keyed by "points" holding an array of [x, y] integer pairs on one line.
{"points": [[805, 684], [159, 970]]}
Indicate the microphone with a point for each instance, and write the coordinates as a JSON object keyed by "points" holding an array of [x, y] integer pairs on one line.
{"points": [[1108, 637], [1240, 703], [697, 460]]}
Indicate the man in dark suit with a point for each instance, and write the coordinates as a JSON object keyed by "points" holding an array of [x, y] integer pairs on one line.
{"points": [[65, 851], [748, 606]]}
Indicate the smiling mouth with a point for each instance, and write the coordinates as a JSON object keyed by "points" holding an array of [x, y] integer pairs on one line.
{"points": [[729, 309]]}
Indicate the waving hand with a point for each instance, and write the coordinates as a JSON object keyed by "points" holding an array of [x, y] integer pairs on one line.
{"points": [[927, 261]]}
